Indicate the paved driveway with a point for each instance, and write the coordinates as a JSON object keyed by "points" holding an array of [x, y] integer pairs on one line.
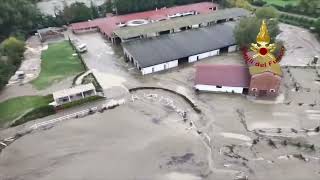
{"points": [[106, 62]]}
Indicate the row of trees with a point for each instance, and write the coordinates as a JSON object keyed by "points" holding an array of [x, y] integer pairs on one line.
{"points": [[128, 6], [304, 7], [298, 20], [11, 52], [17, 19]]}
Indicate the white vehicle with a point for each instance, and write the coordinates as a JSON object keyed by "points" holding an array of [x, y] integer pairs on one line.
{"points": [[81, 48]]}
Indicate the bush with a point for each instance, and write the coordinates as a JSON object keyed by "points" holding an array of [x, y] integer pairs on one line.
{"points": [[13, 49], [11, 53], [267, 13], [79, 102], [35, 114]]}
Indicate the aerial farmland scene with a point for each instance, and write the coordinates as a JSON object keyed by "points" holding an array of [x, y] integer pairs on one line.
{"points": [[159, 89]]}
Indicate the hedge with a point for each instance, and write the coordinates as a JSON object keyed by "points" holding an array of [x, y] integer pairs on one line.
{"points": [[35, 114], [297, 21]]}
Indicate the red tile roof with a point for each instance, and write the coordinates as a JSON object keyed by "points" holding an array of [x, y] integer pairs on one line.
{"points": [[223, 75], [109, 24]]}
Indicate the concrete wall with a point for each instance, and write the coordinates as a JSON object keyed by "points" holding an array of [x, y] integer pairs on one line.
{"points": [[202, 87], [159, 67]]}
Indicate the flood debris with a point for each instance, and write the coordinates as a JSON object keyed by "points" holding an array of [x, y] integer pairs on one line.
{"points": [[177, 160], [293, 130], [231, 153], [156, 120], [272, 143], [242, 117], [300, 157]]}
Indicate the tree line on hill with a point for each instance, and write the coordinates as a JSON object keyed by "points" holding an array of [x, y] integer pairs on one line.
{"points": [[303, 7]]}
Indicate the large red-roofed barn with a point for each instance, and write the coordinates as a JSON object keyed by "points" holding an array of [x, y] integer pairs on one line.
{"points": [[108, 24]]}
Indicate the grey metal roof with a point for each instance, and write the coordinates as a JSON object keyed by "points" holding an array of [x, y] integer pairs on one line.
{"points": [[165, 48], [129, 32]]}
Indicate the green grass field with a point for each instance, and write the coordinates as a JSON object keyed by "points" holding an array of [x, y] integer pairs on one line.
{"points": [[57, 64], [282, 2], [16, 107]]}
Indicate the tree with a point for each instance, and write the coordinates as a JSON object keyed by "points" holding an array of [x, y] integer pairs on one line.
{"points": [[17, 17], [267, 12], [239, 3], [248, 28], [13, 49], [317, 26], [10, 58], [76, 12], [109, 6], [94, 10], [6, 71]]}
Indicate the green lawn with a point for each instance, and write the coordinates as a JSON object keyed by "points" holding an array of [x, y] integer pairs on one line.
{"points": [[57, 64], [15, 107], [282, 2]]}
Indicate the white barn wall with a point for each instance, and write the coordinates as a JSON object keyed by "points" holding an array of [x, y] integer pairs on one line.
{"points": [[203, 55], [202, 87], [174, 63], [159, 67]]}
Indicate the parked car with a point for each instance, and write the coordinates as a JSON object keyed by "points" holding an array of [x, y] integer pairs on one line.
{"points": [[80, 47]]}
